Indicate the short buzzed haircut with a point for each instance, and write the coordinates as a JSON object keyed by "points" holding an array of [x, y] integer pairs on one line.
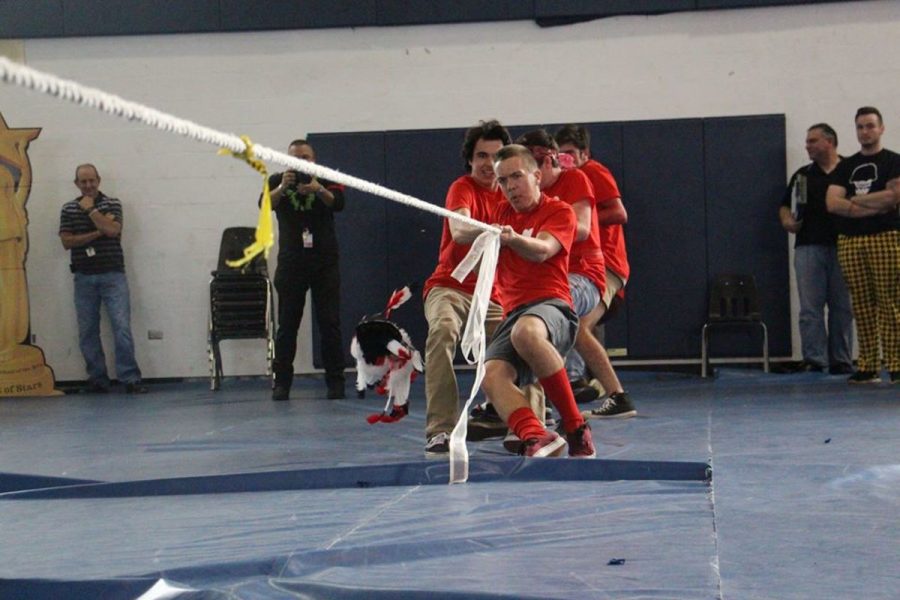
{"points": [[869, 110], [827, 131], [485, 130], [576, 135], [516, 150], [84, 166]]}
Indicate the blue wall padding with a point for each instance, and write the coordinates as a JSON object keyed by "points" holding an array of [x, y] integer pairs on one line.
{"points": [[698, 204]]}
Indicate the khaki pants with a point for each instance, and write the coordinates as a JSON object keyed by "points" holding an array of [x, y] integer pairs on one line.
{"points": [[446, 310]]}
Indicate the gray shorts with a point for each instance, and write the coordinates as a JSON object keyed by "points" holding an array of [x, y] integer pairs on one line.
{"points": [[585, 295], [561, 322]]}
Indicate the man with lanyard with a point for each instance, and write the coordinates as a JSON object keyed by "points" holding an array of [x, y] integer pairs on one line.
{"points": [[307, 260], [91, 228]]}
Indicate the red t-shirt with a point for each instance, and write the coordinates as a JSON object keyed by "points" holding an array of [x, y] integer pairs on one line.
{"points": [[524, 281], [481, 202], [587, 255], [612, 237]]}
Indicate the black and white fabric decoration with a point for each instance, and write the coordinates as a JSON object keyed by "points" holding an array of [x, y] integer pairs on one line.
{"points": [[386, 360]]}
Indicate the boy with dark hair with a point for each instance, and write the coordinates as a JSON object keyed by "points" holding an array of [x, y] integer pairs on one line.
{"points": [[607, 219], [448, 301]]}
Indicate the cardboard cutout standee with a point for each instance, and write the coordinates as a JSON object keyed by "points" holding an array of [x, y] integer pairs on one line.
{"points": [[23, 371]]}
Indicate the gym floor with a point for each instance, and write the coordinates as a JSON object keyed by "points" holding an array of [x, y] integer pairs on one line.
{"points": [[746, 486]]}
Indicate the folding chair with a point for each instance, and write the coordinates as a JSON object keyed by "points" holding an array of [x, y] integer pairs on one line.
{"points": [[240, 301], [733, 301]]}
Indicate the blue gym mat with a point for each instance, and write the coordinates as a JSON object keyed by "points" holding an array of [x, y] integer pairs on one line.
{"points": [[747, 486]]}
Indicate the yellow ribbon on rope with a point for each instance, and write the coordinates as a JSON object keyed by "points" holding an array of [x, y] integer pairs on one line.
{"points": [[265, 237]]}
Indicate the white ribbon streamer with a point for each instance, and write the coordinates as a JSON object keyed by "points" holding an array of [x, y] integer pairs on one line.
{"points": [[485, 248]]}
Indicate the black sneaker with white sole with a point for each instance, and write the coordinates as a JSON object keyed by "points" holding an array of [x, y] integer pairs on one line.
{"points": [[616, 406], [438, 445], [512, 443], [585, 391], [864, 377]]}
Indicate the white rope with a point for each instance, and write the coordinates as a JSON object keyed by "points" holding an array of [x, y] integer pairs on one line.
{"points": [[11, 72], [486, 248]]}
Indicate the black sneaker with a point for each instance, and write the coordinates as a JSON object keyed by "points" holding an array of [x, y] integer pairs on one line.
{"points": [[512, 443], [281, 393], [617, 406], [438, 445], [864, 377], [584, 391], [840, 369], [895, 377], [808, 367], [135, 388], [96, 388], [485, 424]]}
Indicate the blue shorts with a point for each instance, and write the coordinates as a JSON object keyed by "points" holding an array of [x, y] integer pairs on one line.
{"points": [[585, 295]]}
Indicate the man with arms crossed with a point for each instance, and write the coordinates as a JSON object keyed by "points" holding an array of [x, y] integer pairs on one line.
{"points": [[865, 194]]}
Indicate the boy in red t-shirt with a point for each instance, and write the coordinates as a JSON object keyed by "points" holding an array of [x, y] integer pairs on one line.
{"points": [[540, 324], [447, 301], [609, 216]]}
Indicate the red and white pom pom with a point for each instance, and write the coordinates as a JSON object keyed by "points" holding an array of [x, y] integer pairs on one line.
{"points": [[397, 298]]}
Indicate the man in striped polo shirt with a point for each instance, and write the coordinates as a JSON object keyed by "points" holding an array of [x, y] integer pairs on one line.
{"points": [[90, 227]]}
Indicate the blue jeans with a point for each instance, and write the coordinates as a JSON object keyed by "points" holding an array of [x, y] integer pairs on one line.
{"points": [[820, 283], [110, 289], [585, 297]]}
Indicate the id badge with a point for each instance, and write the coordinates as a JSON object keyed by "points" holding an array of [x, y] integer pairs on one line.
{"points": [[307, 237], [90, 251]]}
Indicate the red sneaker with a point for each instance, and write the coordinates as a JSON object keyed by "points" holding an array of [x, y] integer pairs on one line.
{"points": [[549, 444], [581, 445]]}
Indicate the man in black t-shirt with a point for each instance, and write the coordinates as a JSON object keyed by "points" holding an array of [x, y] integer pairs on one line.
{"points": [[818, 273], [307, 260], [90, 227], [865, 194]]}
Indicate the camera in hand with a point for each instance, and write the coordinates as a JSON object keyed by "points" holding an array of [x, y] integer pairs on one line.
{"points": [[302, 178]]}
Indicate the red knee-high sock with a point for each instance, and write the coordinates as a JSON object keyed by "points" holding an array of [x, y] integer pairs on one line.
{"points": [[559, 392], [524, 424]]}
